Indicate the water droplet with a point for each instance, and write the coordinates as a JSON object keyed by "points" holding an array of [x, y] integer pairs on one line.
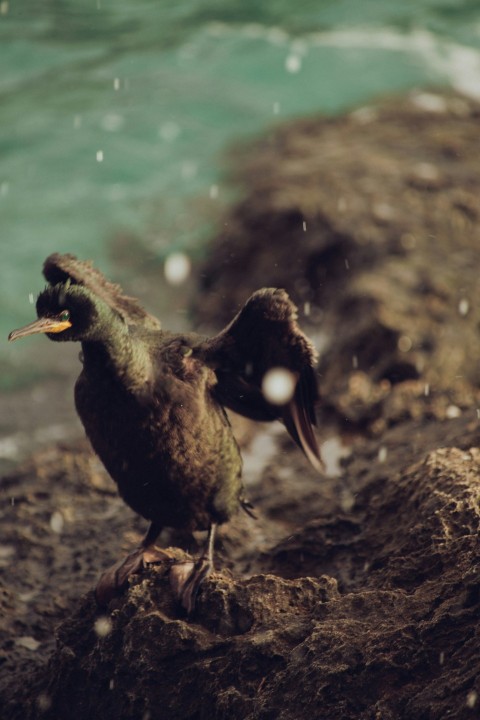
{"points": [[276, 108], [426, 390], [177, 268], [354, 362], [57, 522], [28, 642], [472, 698], [306, 309], [347, 500], [452, 412], [99, 156], [293, 64], [404, 343], [382, 454], [278, 385], [103, 626], [213, 192], [463, 307], [30, 298], [77, 122], [116, 83], [43, 702]]}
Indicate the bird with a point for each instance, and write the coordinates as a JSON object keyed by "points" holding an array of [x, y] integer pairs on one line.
{"points": [[153, 404]]}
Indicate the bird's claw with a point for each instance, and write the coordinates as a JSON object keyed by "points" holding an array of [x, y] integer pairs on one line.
{"points": [[186, 578]]}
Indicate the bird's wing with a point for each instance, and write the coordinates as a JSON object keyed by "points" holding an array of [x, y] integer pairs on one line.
{"points": [[59, 268], [265, 335]]}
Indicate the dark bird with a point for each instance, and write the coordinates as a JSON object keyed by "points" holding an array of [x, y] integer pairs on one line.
{"points": [[152, 402]]}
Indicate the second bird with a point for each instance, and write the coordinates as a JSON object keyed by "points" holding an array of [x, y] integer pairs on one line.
{"points": [[152, 402]]}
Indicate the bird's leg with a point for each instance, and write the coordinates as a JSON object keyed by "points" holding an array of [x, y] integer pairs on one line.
{"points": [[186, 580], [114, 580]]}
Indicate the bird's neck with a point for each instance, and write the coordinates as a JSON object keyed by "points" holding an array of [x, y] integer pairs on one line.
{"points": [[118, 358]]}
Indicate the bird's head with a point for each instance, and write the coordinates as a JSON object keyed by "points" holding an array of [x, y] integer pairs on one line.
{"points": [[68, 312]]}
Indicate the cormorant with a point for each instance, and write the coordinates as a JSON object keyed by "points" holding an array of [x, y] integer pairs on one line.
{"points": [[152, 402]]}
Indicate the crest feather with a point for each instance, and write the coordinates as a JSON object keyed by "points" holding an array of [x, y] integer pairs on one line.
{"points": [[61, 268]]}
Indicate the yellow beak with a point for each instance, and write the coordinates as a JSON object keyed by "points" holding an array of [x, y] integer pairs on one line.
{"points": [[42, 325]]}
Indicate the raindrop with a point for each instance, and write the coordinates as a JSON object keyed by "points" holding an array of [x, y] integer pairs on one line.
{"points": [[347, 264], [103, 626], [77, 122], [304, 225], [306, 309], [4, 7], [111, 684], [30, 298], [43, 702], [293, 64], [177, 268], [57, 522], [99, 156], [4, 188], [472, 698], [276, 108], [382, 454], [213, 192], [347, 500], [463, 307], [116, 83], [426, 390], [28, 642], [452, 412], [441, 658], [404, 343], [354, 362], [278, 385]]}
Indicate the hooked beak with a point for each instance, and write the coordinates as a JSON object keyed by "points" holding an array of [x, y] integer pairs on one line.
{"points": [[42, 325]]}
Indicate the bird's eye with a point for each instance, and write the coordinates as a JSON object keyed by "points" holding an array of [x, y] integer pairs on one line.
{"points": [[65, 315]]}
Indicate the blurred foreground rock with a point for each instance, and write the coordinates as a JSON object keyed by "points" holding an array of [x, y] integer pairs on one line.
{"points": [[351, 597]]}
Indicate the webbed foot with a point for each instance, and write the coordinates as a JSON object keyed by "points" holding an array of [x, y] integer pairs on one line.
{"points": [[186, 578], [115, 580]]}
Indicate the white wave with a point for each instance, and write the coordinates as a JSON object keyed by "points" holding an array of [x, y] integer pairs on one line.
{"points": [[451, 62]]}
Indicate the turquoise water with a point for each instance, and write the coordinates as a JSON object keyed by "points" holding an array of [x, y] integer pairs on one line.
{"points": [[114, 116]]}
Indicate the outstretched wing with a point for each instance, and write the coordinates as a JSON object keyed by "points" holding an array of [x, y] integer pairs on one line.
{"points": [[265, 335], [59, 268]]}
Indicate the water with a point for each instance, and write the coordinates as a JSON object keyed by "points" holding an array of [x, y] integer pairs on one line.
{"points": [[114, 116]]}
